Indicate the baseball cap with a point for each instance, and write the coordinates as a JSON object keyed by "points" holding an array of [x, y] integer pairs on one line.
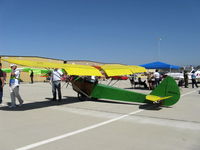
{"points": [[11, 65]]}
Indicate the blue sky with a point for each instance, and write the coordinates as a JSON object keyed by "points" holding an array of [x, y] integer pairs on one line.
{"points": [[110, 31]]}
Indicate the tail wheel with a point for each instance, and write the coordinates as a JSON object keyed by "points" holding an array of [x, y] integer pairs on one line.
{"points": [[82, 97]]}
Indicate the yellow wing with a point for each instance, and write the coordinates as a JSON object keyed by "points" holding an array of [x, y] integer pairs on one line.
{"points": [[82, 70], [31, 63], [71, 69], [118, 70], [137, 69]]}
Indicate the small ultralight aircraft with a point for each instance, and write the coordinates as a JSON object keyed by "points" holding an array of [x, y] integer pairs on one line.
{"points": [[167, 93]]}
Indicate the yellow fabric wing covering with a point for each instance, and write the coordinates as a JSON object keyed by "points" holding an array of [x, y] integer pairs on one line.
{"points": [[137, 69], [154, 98], [119, 70], [71, 69], [82, 70], [116, 70]]}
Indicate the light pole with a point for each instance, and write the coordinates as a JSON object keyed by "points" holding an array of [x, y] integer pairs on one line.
{"points": [[159, 48]]}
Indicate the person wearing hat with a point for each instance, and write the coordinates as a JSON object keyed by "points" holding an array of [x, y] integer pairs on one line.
{"points": [[14, 86], [1, 83]]}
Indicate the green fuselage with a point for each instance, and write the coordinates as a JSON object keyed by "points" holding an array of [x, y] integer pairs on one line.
{"points": [[101, 91], [167, 88]]}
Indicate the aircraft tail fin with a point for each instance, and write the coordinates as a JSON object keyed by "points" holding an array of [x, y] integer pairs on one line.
{"points": [[167, 92]]}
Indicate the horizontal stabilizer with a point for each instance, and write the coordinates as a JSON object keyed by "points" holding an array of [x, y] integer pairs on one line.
{"points": [[154, 98]]}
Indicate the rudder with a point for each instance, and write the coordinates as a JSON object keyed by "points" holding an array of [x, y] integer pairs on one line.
{"points": [[168, 87]]}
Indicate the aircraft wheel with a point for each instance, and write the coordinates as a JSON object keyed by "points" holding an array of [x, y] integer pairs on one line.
{"points": [[82, 97], [94, 99]]}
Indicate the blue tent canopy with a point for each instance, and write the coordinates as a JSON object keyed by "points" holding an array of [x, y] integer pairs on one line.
{"points": [[159, 65]]}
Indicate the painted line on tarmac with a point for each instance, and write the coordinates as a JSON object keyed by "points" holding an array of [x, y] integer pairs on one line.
{"points": [[31, 146], [189, 93]]}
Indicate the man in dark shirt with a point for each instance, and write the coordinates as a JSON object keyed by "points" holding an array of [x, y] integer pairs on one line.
{"points": [[31, 76], [1, 83], [185, 75]]}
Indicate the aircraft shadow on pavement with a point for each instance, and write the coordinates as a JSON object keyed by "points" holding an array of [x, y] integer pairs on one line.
{"points": [[141, 106], [137, 88], [41, 104], [150, 107], [70, 100], [113, 102]]}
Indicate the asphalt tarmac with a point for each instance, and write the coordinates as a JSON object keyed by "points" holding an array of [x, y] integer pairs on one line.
{"points": [[41, 124]]}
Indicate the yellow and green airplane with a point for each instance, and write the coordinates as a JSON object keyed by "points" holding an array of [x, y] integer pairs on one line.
{"points": [[167, 93]]}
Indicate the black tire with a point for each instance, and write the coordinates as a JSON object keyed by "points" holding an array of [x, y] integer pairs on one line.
{"points": [[81, 97], [93, 99]]}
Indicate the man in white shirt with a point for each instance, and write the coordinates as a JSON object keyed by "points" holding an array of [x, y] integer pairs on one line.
{"points": [[157, 77], [14, 86], [56, 83]]}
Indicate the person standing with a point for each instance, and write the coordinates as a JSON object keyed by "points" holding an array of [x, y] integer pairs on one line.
{"points": [[56, 83], [193, 77], [1, 83], [14, 86], [157, 77], [31, 76], [185, 75], [150, 80]]}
